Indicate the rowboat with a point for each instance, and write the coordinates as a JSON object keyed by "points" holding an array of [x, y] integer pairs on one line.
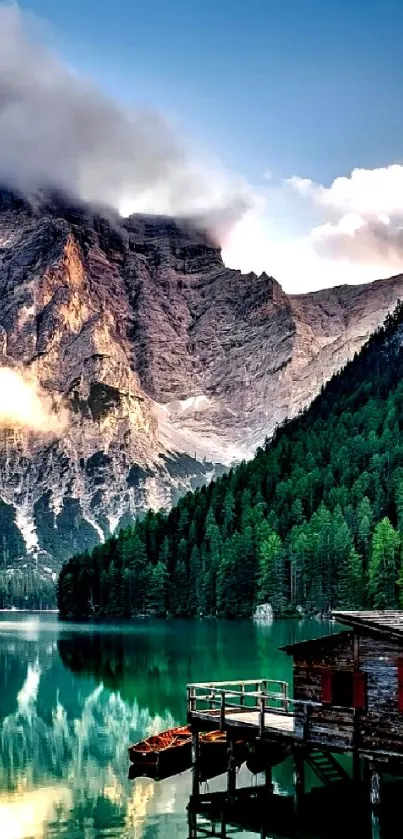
{"points": [[261, 756], [170, 752], [161, 753], [213, 754]]}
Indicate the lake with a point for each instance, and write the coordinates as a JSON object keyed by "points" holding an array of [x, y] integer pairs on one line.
{"points": [[74, 696]]}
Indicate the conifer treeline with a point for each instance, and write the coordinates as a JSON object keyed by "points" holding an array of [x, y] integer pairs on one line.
{"points": [[26, 589], [314, 520]]}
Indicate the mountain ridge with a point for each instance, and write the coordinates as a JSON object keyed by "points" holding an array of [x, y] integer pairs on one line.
{"points": [[313, 522], [165, 366]]}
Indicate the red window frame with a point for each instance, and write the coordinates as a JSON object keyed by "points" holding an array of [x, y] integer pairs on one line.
{"points": [[359, 679], [359, 690]]}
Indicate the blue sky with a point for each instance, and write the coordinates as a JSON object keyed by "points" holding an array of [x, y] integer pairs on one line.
{"points": [[308, 88]]}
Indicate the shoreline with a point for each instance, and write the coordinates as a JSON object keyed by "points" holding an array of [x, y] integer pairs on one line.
{"points": [[31, 611]]}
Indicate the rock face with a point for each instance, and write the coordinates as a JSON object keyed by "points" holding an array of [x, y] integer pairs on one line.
{"points": [[160, 365]]}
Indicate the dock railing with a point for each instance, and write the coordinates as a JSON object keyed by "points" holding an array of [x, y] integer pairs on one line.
{"points": [[264, 696], [261, 695]]}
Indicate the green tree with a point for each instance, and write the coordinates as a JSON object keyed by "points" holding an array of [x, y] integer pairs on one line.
{"points": [[351, 588], [384, 565], [271, 587], [157, 595]]}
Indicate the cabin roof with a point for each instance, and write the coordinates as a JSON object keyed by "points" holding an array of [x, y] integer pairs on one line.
{"points": [[387, 622], [327, 640]]}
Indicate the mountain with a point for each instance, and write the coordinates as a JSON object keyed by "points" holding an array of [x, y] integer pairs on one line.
{"points": [[154, 365], [313, 521]]}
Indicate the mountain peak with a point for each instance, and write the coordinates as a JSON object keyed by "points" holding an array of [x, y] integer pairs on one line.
{"points": [[165, 365]]}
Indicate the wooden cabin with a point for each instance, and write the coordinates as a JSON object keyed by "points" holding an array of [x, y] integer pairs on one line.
{"points": [[348, 687]]}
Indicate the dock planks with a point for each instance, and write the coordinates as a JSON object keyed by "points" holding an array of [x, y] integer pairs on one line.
{"points": [[273, 722]]}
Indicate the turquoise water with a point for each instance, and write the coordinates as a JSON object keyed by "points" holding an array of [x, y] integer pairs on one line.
{"points": [[73, 697]]}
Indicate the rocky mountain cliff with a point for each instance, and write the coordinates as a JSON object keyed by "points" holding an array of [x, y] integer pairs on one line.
{"points": [[157, 365]]}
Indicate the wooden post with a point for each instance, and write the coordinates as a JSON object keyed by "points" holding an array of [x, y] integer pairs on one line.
{"points": [[231, 771], [192, 823], [268, 780], [195, 763], [299, 779], [356, 737], [375, 826], [262, 712], [222, 711], [285, 697], [374, 785], [305, 723], [356, 768], [191, 698]]}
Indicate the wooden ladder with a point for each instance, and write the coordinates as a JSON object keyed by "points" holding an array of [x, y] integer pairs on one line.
{"points": [[326, 767]]}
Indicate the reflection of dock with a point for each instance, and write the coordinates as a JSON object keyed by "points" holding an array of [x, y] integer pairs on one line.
{"points": [[214, 815]]}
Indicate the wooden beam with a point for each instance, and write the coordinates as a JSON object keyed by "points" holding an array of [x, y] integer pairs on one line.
{"points": [[195, 763], [374, 784], [231, 769], [299, 779]]}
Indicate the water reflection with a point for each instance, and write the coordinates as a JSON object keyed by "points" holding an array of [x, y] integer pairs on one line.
{"points": [[71, 700]]}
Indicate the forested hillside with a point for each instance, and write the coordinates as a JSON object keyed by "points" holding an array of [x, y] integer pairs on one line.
{"points": [[315, 520]]}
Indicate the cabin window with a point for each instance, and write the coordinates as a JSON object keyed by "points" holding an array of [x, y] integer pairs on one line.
{"points": [[342, 688]]}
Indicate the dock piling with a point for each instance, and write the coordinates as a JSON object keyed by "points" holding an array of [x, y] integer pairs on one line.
{"points": [[231, 770], [375, 784], [268, 780], [299, 779], [195, 763]]}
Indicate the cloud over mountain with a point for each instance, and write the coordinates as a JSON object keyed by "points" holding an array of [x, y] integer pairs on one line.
{"points": [[24, 404], [59, 130], [366, 216]]}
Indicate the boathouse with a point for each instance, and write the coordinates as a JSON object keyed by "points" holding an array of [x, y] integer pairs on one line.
{"points": [[348, 687], [347, 692], [346, 698]]}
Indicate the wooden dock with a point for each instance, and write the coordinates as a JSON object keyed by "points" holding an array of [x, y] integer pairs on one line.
{"points": [[346, 698], [267, 711]]}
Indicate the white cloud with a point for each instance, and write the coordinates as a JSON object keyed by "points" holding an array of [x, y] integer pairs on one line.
{"points": [[24, 404], [359, 239], [58, 130], [366, 191], [366, 225]]}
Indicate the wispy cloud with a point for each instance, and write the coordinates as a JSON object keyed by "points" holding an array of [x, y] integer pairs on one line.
{"points": [[24, 404], [58, 130]]}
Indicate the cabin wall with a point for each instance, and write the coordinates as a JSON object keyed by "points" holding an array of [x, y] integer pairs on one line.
{"points": [[381, 726], [325, 725]]}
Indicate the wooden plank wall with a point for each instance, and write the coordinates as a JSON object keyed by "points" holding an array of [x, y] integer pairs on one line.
{"points": [[328, 726], [381, 727]]}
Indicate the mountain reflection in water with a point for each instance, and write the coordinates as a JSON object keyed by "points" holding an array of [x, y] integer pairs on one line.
{"points": [[72, 698]]}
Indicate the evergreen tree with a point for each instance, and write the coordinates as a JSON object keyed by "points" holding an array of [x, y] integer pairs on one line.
{"points": [[271, 576], [157, 594], [384, 566], [351, 588]]}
